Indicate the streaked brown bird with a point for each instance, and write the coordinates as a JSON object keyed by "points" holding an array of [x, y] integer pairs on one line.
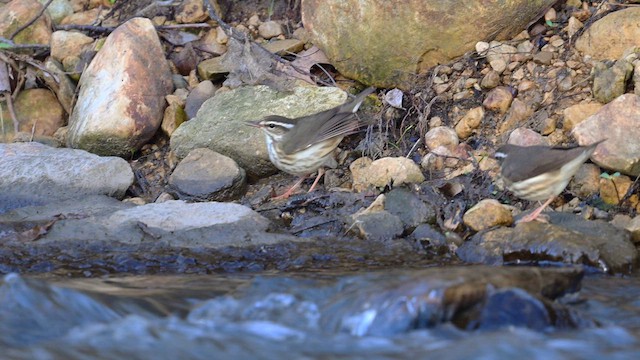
{"points": [[536, 173], [306, 144]]}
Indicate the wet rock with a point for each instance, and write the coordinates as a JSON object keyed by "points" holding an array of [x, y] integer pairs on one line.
{"points": [[201, 93], [219, 125], [121, 100], [585, 182], [566, 239], [575, 114], [206, 175], [609, 83], [415, 39], [270, 29], [32, 173], [469, 122], [17, 13], [539, 314], [526, 137], [456, 295], [498, 99], [619, 123], [384, 172], [409, 208], [377, 226], [68, 43], [441, 136], [431, 239], [597, 41], [486, 214]]}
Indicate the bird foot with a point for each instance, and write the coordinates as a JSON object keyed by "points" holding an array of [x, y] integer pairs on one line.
{"points": [[534, 217]]}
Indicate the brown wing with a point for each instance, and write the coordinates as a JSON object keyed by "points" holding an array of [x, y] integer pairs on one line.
{"points": [[338, 121], [525, 163]]}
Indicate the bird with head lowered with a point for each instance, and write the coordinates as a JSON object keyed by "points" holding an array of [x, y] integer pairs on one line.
{"points": [[303, 145], [537, 173]]}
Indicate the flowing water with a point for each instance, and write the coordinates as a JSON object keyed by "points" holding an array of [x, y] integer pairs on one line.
{"points": [[285, 316]]}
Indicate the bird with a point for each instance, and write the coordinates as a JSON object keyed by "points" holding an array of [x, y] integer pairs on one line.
{"points": [[537, 173], [303, 145]]}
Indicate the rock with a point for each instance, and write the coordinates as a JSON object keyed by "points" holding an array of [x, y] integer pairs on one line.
{"points": [[201, 93], [38, 112], [526, 137], [418, 36], [61, 84], [19, 12], [441, 136], [567, 239], [221, 36], [409, 208], [431, 239], [543, 58], [597, 41], [573, 26], [586, 181], [486, 214], [213, 69], [498, 99], [284, 47], [58, 9], [634, 228], [609, 83], [517, 116], [619, 123], [32, 173], [173, 223], [436, 159], [68, 43], [377, 226], [205, 175], [220, 123], [121, 100], [84, 17], [575, 114], [269, 29], [614, 188], [192, 11], [383, 172], [173, 117], [469, 122], [491, 80]]}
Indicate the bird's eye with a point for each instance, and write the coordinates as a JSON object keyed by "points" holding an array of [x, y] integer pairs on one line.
{"points": [[271, 126]]}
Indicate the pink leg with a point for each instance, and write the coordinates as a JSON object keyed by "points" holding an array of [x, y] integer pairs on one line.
{"points": [[534, 215], [320, 173], [290, 191]]}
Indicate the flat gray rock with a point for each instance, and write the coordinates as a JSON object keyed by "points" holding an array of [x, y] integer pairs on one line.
{"points": [[36, 174], [174, 223]]}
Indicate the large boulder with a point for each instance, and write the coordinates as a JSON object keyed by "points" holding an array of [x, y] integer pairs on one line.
{"points": [[386, 43]]}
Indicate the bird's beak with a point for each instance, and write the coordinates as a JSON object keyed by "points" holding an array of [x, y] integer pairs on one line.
{"points": [[253, 123]]}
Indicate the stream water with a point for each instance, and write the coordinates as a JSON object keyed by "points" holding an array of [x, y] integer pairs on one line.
{"points": [[284, 316]]}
